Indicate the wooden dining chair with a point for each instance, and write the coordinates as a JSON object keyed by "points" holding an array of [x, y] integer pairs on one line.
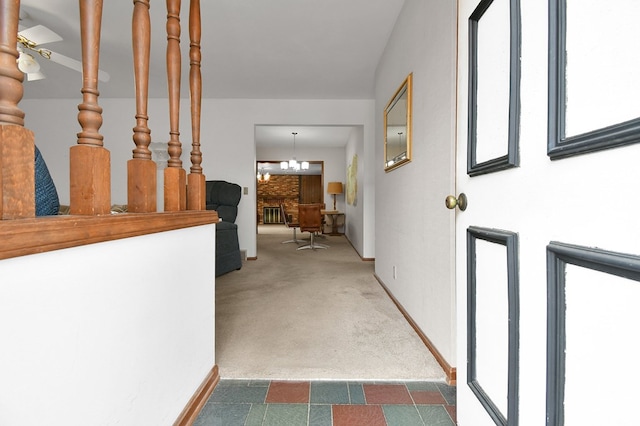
{"points": [[291, 225], [310, 220]]}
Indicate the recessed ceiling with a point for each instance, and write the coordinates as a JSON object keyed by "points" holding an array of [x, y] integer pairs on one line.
{"points": [[252, 49]]}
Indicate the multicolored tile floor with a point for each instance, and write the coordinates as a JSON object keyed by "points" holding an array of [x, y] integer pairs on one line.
{"points": [[327, 403]]}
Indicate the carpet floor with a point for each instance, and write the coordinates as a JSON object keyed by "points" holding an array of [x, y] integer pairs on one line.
{"points": [[313, 315]]}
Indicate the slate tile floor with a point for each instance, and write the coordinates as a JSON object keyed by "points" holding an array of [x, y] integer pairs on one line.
{"points": [[325, 403]]}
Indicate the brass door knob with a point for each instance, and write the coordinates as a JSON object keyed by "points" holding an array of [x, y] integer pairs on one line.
{"points": [[451, 202]]}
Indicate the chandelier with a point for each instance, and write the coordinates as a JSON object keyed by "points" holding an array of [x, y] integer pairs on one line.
{"points": [[263, 177], [293, 164]]}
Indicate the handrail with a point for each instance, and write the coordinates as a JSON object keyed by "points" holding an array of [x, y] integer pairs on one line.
{"points": [[43, 234]]}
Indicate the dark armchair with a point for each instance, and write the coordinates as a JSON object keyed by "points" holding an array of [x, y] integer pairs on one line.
{"points": [[224, 198]]}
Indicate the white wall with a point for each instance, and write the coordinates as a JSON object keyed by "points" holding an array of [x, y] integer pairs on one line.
{"points": [[120, 332], [227, 138], [364, 224], [414, 231]]}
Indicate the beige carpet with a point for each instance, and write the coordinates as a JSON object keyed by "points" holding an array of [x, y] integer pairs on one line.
{"points": [[313, 315]]}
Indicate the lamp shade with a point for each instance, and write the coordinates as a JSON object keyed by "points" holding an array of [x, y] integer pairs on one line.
{"points": [[334, 188]]}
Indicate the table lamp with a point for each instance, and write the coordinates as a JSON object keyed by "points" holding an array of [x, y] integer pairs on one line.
{"points": [[334, 188]]}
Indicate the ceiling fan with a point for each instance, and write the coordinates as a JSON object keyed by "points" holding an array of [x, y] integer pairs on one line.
{"points": [[30, 39]]}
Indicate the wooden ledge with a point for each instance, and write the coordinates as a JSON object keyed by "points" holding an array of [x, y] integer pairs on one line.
{"points": [[22, 237]]}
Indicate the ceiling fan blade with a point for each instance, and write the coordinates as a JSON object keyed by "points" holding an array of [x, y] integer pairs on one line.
{"points": [[40, 35], [76, 65]]}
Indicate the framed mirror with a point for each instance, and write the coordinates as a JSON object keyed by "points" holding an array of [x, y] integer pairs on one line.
{"points": [[397, 127]]}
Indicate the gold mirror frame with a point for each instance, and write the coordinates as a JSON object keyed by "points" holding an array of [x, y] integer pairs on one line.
{"points": [[397, 127]]}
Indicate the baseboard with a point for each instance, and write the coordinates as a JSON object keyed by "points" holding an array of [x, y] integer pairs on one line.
{"points": [[364, 259], [448, 369], [199, 398]]}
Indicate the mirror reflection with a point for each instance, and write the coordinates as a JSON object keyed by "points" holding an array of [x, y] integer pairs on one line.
{"points": [[397, 124]]}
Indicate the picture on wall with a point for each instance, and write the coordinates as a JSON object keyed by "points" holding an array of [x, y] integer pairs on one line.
{"points": [[352, 182]]}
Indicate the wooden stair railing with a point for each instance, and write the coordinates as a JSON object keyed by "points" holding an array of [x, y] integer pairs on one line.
{"points": [[90, 168], [196, 181], [90, 161], [141, 169], [17, 187], [175, 178]]}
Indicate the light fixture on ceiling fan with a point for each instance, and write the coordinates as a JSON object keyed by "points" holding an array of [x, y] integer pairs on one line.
{"points": [[293, 164], [28, 65], [30, 39]]}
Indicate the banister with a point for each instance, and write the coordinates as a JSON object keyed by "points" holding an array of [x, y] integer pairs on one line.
{"points": [[89, 160], [141, 169], [43, 234], [17, 187], [175, 179], [196, 181]]}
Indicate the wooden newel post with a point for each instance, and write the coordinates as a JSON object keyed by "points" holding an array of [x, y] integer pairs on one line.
{"points": [[175, 177], [90, 162], [17, 187], [196, 181], [141, 170]]}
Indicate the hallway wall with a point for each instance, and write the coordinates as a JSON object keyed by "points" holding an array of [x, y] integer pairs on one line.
{"points": [[415, 232]]}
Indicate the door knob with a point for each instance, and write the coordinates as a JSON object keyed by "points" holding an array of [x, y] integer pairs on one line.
{"points": [[451, 202]]}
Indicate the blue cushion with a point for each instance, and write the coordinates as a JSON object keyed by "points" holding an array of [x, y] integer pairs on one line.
{"points": [[47, 202]]}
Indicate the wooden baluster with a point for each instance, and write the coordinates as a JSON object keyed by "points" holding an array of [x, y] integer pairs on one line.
{"points": [[17, 187], [175, 179], [196, 181], [141, 170], [90, 162]]}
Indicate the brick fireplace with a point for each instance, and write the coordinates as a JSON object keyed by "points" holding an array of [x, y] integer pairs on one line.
{"points": [[280, 189]]}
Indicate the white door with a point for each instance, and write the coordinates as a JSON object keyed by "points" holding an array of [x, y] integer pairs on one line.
{"points": [[548, 273]]}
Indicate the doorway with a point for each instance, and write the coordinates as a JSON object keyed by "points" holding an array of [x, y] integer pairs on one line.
{"points": [[276, 187]]}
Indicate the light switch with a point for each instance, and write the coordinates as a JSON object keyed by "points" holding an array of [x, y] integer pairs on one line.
{"points": [[246, 190]]}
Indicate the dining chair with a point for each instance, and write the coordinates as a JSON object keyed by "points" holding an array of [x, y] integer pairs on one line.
{"points": [[310, 220], [289, 224]]}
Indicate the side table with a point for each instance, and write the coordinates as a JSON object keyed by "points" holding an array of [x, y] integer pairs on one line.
{"points": [[335, 215]]}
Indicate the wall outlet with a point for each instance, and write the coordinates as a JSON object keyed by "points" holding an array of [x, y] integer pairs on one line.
{"points": [[394, 272]]}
